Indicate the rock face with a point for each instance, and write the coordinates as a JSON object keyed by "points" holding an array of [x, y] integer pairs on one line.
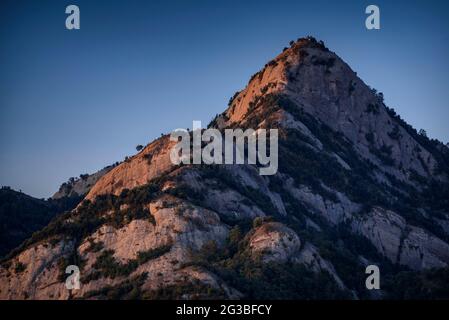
{"points": [[153, 161], [324, 86], [80, 187], [402, 243], [274, 241], [356, 186]]}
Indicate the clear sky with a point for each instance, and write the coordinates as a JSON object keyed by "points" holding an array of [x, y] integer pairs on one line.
{"points": [[72, 102]]}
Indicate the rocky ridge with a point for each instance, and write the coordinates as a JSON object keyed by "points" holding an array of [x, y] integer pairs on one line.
{"points": [[356, 186]]}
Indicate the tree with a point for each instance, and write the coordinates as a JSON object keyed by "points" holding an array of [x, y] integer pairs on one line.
{"points": [[422, 132], [235, 235], [139, 147]]}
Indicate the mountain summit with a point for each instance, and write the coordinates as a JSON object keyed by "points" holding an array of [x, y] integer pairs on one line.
{"points": [[356, 186]]}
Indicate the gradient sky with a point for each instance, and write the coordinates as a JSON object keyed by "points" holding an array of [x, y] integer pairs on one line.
{"points": [[72, 102]]}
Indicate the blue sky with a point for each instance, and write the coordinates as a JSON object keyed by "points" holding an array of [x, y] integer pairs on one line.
{"points": [[72, 102]]}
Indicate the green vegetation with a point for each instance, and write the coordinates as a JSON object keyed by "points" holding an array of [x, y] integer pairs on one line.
{"points": [[410, 285], [395, 133], [139, 147], [107, 266], [327, 63], [234, 263], [19, 267], [90, 216], [193, 289], [128, 289], [227, 180], [248, 274], [144, 256], [21, 215], [213, 123], [233, 97], [95, 246], [72, 259], [383, 154], [311, 167], [373, 108], [351, 87], [369, 137], [437, 148]]}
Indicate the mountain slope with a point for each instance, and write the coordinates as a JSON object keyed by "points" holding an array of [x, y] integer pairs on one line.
{"points": [[80, 187], [21, 215], [356, 186]]}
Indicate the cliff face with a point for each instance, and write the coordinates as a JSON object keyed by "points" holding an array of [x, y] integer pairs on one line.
{"points": [[319, 83], [152, 162], [81, 186], [356, 186]]}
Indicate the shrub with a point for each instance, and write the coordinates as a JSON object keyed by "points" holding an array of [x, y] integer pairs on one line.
{"points": [[395, 134], [369, 137], [422, 132], [235, 236], [372, 108], [383, 154], [19, 267], [145, 256], [95, 246], [351, 87], [258, 221], [107, 266], [128, 289], [254, 279], [139, 147]]}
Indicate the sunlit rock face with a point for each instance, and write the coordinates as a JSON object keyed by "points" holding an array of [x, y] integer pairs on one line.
{"points": [[355, 186]]}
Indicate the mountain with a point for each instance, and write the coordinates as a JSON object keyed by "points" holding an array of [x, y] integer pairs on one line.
{"points": [[79, 187], [21, 215], [356, 186]]}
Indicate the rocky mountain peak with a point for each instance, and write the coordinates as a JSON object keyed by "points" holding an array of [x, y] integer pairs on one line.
{"points": [[316, 81], [273, 78], [356, 186]]}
